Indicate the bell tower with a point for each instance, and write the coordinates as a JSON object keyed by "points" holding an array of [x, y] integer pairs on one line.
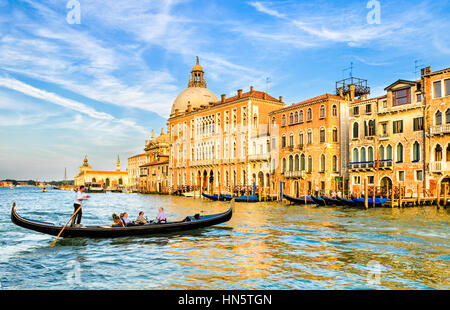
{"points": [[197, 79], [118, 164]]}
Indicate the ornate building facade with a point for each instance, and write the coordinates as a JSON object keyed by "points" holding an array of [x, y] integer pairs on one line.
{"points": [[153, 175], [215, 144], [109, 180]]}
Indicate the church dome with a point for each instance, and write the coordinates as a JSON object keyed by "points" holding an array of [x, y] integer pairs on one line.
{"points": [[196, 94]]}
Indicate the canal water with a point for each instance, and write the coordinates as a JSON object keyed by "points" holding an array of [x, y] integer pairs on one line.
{"points": [[264, 246]]}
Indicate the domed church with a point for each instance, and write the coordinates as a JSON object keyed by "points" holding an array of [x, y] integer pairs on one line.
{"points": [[195, 96]]}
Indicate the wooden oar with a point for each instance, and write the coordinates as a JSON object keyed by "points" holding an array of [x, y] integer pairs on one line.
{"points": [[65, 226]]}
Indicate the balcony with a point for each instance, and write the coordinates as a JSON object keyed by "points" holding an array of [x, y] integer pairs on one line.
{"points": [[300, 147], [440, 130], [294, 174], [365, 165], [438, 166], [259, 157]]}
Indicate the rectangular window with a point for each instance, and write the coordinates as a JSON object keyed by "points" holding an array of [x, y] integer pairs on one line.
{"points": [[384, 129], [401, 176], [283, 141], [418, 124], [368, 108], [447, 87], [397, 126], [356, 179], [370, 179], [419, 175], [355, 111], [419, 97], [437, 89], [401, 97]]}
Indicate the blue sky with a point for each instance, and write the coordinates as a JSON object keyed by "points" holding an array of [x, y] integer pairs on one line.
{"points": [[100, 87]]}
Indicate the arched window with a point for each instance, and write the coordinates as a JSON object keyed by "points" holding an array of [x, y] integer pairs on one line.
{"points": [[334, 110], [416, 152], [291, 140], [389, 152], [309, 136], [322, 111], [303, 161], [322, 135], [335, 163], [309, 116], [297, 163], [310, 163], [448, 154], [283, 120], [301, 117], [438, 153], [438, 118], [322, 163], [363, 154], [355, 155], [283, 141], [355, 130], [381, 152], [370, 153], [273, 121], [447, 114], [291, 118], [291, 163], [400, 153], [300, 139], [283, 166], [296, 117], [335, 135]]}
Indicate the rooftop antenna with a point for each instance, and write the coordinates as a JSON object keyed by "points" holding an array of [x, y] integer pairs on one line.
{"points": [[417, 67], [349, 68], [267, 84]]}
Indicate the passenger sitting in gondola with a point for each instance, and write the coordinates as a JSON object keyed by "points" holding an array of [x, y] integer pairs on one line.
{"points": [[117, 221], [124, 217], [161, 218], [141, 220]]}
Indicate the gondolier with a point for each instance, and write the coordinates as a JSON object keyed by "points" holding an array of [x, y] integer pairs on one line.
{"points": [[80, 196]]}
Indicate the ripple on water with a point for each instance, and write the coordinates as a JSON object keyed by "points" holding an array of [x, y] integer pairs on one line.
{"points": [[264, 246]]}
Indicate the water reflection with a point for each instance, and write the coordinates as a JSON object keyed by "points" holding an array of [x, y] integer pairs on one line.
{"points": [[264, 246]]}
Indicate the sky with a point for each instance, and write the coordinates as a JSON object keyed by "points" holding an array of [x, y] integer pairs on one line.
{"points": [[85, 77]]}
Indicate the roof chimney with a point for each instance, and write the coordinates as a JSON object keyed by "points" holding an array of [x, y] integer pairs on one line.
{"points": [[223, 98], [428, 70], [251, 88], [264, 96], [281, 98], [239, 93]]}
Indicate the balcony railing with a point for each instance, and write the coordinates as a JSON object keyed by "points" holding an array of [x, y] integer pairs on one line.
{"points": [[259, 157], [370, 165], [438, 166], [439, 130], [294, 174]]}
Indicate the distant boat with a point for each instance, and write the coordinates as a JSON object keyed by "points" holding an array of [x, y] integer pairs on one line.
{"points": [[243, 198], [299, 200], [43, 190], [192, 194], [213, 197]]}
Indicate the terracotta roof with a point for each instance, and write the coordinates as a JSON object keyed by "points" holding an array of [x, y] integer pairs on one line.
{"points": [[253, 94], [136, 156], [105, 172], [321, 97], [154, 163]]}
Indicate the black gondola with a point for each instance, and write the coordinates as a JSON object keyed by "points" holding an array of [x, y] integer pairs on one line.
{"points": [[332, 201], [319, 201], [299, 200], [349, 202], [243, 198], [214, 197], [104, 231]]}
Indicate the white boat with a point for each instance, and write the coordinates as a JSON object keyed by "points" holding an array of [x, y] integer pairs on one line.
{"points": [[192, 194]]}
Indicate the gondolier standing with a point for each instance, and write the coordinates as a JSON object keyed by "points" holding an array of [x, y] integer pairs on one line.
{"points": [[77, 204]]}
